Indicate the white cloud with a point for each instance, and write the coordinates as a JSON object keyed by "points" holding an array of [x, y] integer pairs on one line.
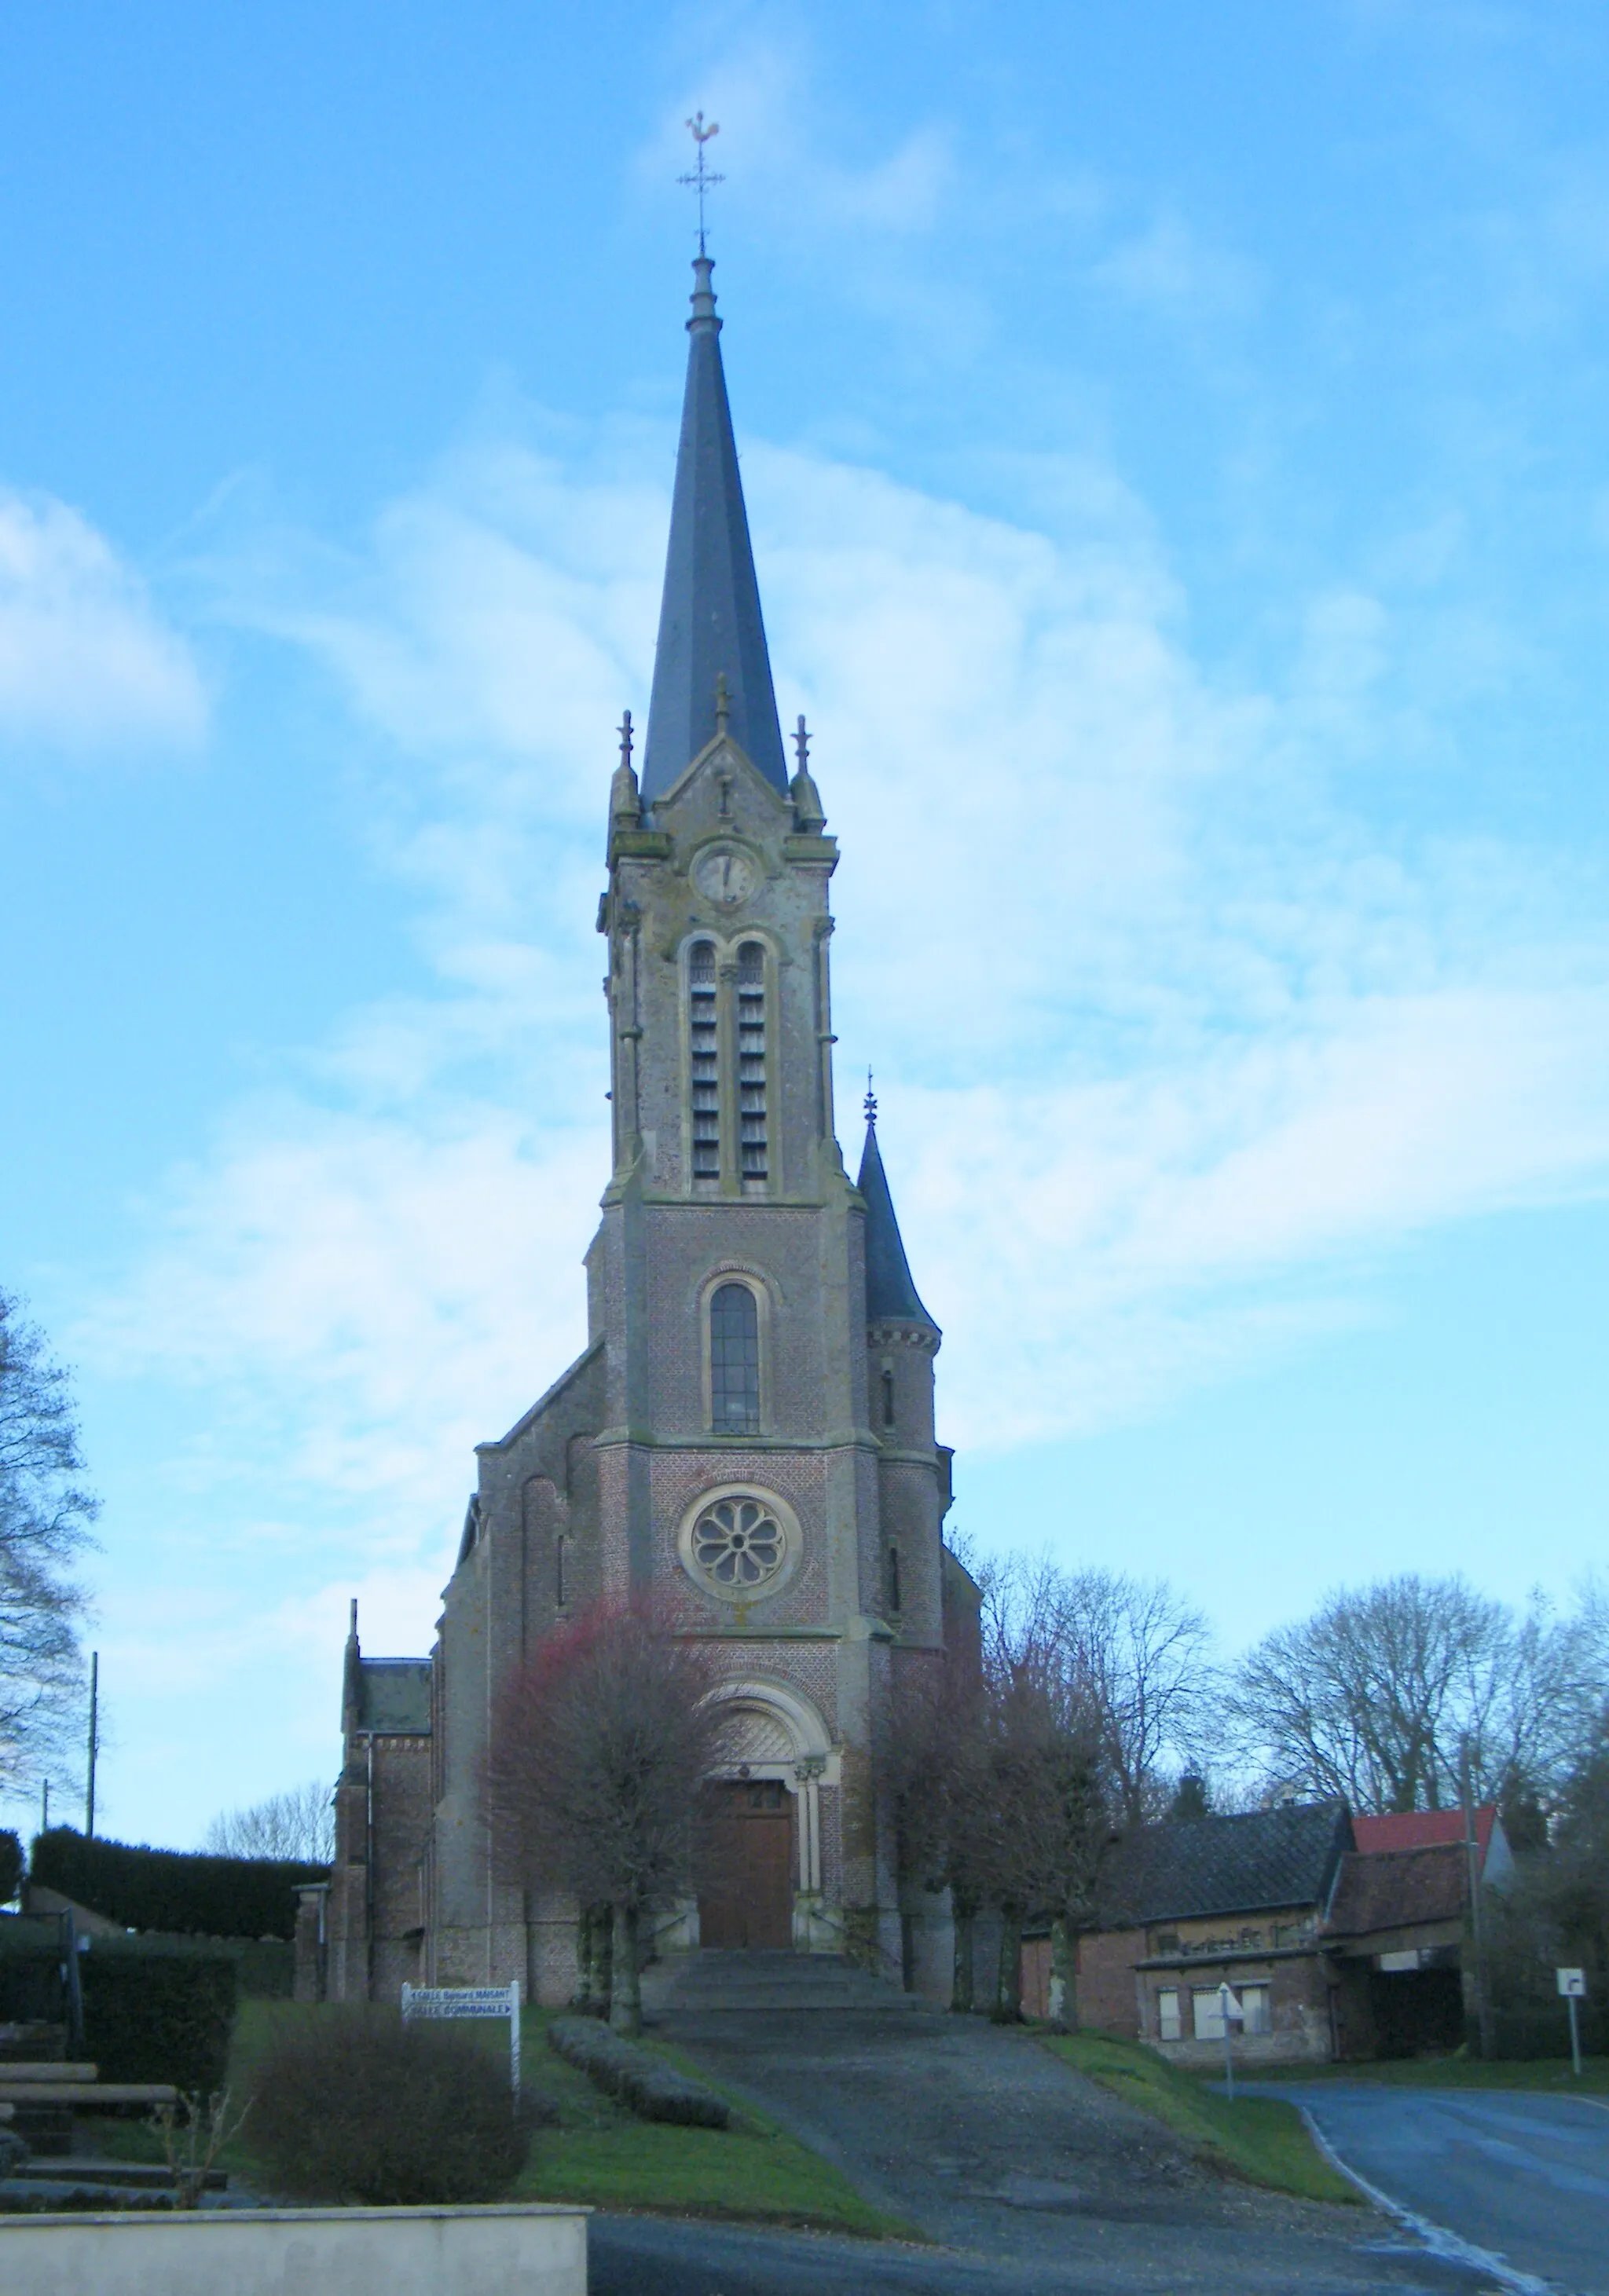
{"points": [[1172, 1045], [1171, 268], [84, 661]]}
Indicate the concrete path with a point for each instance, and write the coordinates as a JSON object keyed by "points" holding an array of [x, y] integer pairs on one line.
{"points": [[1523, 2177], [1027, 2178]]}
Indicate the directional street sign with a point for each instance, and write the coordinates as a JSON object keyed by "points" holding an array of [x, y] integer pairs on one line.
{"points": [[433, 2001], [1572, 1983]]}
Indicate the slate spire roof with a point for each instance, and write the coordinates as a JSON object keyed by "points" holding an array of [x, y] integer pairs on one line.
{"points": [[710, 619], [890, 1295]]}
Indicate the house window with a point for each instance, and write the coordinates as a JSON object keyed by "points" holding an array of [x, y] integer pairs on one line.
{"points": [[703, 1044], [751, 1059], [887, 1396], [1207, 2015], [1255, 2004], [734, 1361], [1168, 2026]]}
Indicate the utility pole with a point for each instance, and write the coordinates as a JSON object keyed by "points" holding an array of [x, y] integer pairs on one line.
{"points": [[1477, 1927], [95, 1726], [44, 1805]]}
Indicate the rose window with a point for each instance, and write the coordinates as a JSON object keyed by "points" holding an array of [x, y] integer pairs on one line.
{"points": [[739, 1544]]}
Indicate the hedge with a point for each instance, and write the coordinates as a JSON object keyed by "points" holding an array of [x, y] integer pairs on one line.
{"points": [[30, 1971], [173, 1889], [642, 2082], [159, 2010], [155, 2009]]}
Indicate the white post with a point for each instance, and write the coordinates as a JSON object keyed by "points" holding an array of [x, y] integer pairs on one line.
{"points": [[514, 2033], [1228, 2009], [1573, 1984]]}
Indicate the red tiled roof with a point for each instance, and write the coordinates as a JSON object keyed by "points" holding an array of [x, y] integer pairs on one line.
{"points": [[1421, 1829]]}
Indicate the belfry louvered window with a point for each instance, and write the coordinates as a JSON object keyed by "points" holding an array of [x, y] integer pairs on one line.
{"points": [[703, 1037], [751, 1059], [734, 1361]]}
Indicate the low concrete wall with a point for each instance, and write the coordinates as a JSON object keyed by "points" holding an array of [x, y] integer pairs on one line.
{"points": [[484, 2251]]}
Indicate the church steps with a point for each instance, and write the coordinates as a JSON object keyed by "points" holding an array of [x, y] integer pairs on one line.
{"points": [[743, 1984]]}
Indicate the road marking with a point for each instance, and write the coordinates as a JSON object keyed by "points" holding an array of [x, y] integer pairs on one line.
{"points": [[1436, 2237]]}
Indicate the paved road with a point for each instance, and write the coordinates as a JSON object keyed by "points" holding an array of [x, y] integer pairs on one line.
{"points": [[1524, 2176], [1027, 2180], [647, 2255]]}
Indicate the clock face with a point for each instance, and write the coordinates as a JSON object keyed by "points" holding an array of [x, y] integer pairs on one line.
{"points": [[724, 877]]}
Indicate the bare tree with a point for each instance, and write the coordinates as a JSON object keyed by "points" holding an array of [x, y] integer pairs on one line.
{"points": [[1376, 1695], [937, 1758], [1012, 1783], [601, 1747], [298, 1824], [1143, 1655], [1053, 1793], [45, 1513]]}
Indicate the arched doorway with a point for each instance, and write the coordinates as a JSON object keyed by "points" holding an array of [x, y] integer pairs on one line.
{"points": [[765, 1868], [747, 1905]]}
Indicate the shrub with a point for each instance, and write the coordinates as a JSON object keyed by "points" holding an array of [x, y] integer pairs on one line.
{"points": [[644, 2083], [159, 2010], [173, 1889], [353, 2105], [10, 1867]]}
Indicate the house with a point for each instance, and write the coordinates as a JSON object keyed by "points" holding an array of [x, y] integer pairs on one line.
{"points": [[1191, 1907], [1394, 1938], [1339, 1937]]}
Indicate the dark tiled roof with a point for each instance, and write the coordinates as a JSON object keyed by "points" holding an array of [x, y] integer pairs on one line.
{"points": [[394, 1696], [1393, 1888], [1228, 1864], [890, 1295], [710, 617]]}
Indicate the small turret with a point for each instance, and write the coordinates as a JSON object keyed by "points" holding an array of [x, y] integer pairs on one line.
{"points": [[808, 816], [890, 1293], [625, 801]]}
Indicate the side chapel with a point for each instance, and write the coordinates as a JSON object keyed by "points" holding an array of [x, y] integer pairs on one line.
{"points": [[753, 1418]]}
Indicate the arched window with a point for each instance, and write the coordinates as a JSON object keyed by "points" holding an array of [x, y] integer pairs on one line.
{"points": [[887, 1396], [734, 1361], [893, 1578], [751, 1058], [703, 1041]]}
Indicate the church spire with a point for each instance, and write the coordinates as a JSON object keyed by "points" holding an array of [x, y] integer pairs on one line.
{"points": [[710, 619], [890, 1295]]}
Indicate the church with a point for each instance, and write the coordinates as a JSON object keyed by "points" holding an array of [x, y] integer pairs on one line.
{"points": [[751, 1421]]}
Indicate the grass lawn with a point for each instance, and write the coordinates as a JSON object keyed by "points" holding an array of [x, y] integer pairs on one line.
{"points": [[601, 2154], [1451, 2072], [595, 2151], [1256, 2138]]}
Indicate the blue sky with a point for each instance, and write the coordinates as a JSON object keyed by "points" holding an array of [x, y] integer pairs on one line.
{"points": [[1176, 450]]}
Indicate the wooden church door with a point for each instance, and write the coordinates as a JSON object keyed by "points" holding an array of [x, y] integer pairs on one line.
{"points": [[750, 1907]]}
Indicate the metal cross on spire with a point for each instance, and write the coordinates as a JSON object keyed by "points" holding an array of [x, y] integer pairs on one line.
{"points": [[701, 179], [871, 1100]]}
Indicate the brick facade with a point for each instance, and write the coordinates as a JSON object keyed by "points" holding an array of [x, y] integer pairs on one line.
{"points": [[727, 1173]]}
